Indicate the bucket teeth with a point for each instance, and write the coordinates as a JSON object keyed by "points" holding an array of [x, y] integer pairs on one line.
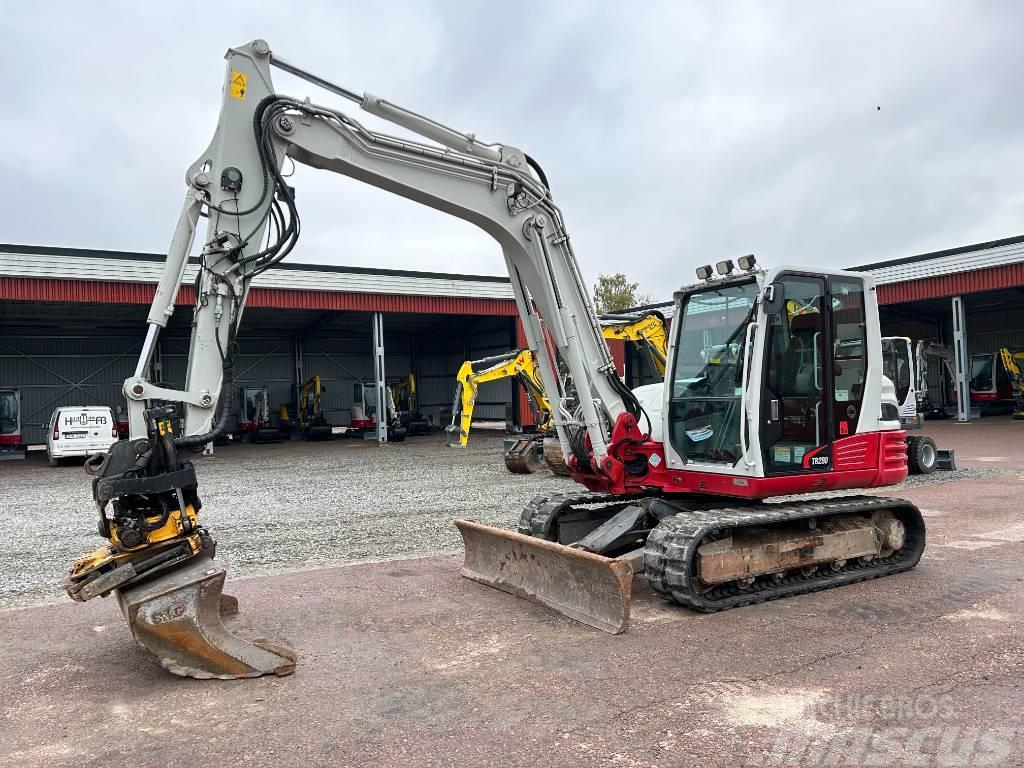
{"points": [[589, 588], [183, 619]]}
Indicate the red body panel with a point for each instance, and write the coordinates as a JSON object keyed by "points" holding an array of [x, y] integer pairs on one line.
{"points": [[363, 424], [867, 460], [10, 439], [992, 397]]}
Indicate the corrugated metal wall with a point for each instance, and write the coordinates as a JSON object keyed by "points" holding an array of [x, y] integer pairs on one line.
{"points": [[342, 362], [263, 360], [971, 280], [54, 369], [992, 330], [986, 332], [439, 356], [41, 289], [57, 368], [918, 331]]}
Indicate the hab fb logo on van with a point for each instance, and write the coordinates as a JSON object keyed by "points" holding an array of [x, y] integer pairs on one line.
{"points": [[85, 420]]}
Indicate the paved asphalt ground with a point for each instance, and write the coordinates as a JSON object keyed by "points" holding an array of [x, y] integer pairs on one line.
{"points": [[404, 663]]}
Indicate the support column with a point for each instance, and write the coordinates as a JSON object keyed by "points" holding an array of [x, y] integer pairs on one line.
{"points": [[157, 361], [961, 361], [300, 374], [379, 378]]}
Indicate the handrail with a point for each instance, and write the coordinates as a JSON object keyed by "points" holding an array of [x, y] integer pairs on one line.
{"points": [[745, 380]]}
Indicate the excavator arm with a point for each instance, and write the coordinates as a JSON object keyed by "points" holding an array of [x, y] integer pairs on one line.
{"points": [[647, 330], [404, 393], [519, 363], [1011, 363], [158, 559], [237, 183]]}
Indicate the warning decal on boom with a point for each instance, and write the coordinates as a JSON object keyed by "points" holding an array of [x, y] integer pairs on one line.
{"points": [[239, 82]]}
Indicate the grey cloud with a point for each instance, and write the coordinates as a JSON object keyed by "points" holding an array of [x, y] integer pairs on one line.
{"points": [[673, 133]]}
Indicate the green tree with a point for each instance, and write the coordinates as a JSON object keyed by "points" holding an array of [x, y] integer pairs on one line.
{"points": [[614, 293]]}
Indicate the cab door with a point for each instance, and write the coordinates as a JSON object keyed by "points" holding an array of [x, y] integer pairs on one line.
{"points": [[815, 372], [796, 433]]}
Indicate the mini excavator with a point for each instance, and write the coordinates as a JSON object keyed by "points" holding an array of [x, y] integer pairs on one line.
{"points": [[314, 424], [521, 457], [773, 388], [532, 453]]}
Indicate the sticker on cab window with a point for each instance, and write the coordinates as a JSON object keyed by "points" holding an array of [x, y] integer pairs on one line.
{"points": [[701, 433]]}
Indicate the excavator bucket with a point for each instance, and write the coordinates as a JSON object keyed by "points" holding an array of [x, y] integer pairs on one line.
{"points": [[183, 619], [553, 457], [589, 588], [524, 457]]}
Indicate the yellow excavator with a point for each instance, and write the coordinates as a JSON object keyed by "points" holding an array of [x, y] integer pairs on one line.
{"points": [[646, 329], [311, 411], [522, 456], [407, 403], [1012, 363], [674, 476]]}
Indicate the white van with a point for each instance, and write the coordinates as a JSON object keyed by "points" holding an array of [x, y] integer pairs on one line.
{"points": [[79, 431]]}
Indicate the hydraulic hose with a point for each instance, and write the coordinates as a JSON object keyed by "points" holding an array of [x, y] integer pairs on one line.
{"points": [[227, 398]]}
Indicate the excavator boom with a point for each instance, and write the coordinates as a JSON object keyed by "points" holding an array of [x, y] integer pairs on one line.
{"points": [[146, 489]]}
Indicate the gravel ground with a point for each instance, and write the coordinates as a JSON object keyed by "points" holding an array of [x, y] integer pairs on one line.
{"points": [[291, 506], [276, 508]]}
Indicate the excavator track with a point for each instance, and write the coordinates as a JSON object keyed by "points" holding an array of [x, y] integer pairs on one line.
{"points": [[671, 556], [539, 516], [671, 552]]}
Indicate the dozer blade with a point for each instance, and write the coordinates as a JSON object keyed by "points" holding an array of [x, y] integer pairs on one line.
{"points": [[589, 588], [182, 618]]}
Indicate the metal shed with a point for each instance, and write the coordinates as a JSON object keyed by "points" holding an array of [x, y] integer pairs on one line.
{"points": [[72, 322]]}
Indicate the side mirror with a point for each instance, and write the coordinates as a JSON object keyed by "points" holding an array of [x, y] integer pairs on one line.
{"points": [[773, 297]]}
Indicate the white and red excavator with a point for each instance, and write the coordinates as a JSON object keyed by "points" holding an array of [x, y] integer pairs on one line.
{"points": [[773, 387]]}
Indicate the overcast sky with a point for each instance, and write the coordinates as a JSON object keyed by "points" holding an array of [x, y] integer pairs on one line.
{"points": [[673, 134]]}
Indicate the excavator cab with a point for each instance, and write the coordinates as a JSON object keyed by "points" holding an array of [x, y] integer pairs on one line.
{"points": [[254, 416], [10, 425], [365, 413]]}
